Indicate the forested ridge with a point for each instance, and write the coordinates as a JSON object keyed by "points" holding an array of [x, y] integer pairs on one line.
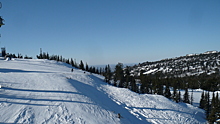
{"points": [[194, 71]]}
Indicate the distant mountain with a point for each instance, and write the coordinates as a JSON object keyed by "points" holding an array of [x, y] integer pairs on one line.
{"points": [[190, 65]]}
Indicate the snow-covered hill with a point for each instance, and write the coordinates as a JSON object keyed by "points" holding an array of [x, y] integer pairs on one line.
{"points": [[47, 92], [189, 65]]}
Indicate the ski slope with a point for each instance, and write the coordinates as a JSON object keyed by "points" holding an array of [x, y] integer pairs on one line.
{"points": [[47, 92]]}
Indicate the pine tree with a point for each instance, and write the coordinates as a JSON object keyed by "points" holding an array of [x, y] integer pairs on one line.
{"points": [[96, 71], [58, 58], [87, 67], [191, 98], [167, 93], [72, 62], [133, 85], [186, 96], [81, 65], [175, 95], [159, 88], [212, 116], [61, 59], [207, 104], [67, 61], [119, 74], [127, 78], [109, 73], [202, 101], [217, 106], [179, 96], [106, 74]]}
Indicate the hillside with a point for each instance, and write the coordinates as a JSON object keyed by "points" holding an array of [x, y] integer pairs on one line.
{"points": [[189, 65], [43, 91]]}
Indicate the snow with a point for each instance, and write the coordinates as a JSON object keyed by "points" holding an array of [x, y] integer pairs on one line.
{"points": [[210, 52], [43, 91], [150, 71]]}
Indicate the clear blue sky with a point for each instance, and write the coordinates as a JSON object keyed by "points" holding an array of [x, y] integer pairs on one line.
{"points": [[111, 31]]}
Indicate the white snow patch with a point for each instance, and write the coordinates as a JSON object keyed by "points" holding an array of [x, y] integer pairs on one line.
{"points": [[150, 71]]}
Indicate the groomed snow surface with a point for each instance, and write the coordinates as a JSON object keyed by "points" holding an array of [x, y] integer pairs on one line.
{"points": [[47, 92]]}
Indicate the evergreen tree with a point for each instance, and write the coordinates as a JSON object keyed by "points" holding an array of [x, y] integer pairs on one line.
{"points": [[179, 96], [167, 93], [108, 73], [217, 107], [186, 96], [61, 58], [133, 85], [207, 104], [202, 101], [47, 56], [72, 62], [213, 102], [100, 71], [87, 67], [158, 86], [119, 74], [67, 61], [127, 77], [191, 98], [81, 65], [212, 116], [76, 65], [97, 71], [174, 95], [58, 58]]}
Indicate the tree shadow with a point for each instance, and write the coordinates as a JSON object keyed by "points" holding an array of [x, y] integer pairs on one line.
{"points": [[44, 91], [35, 100], [98, 82], [23, 103], [9, 123], [103, 100], [15, 99], [5, 70]]}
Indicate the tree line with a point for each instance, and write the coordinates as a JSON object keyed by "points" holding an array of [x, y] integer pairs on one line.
{"points": [[60, 58], [157, 84], [211, 107], [149, 84]]}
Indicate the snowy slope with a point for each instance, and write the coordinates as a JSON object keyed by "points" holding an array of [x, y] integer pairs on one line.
{"points": [[43, 91], [189, 65]]}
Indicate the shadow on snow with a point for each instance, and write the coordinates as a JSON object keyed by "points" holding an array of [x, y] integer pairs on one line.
{"points": [[32, 90], [10, 98], [4, 70], [102, 99]]}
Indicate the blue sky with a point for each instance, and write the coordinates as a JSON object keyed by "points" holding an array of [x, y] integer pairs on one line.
{"points": [[111, 31]]}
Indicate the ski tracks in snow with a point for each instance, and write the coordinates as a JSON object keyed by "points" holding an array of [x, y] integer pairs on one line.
{"points": [[25, 116], [57, 115]]}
